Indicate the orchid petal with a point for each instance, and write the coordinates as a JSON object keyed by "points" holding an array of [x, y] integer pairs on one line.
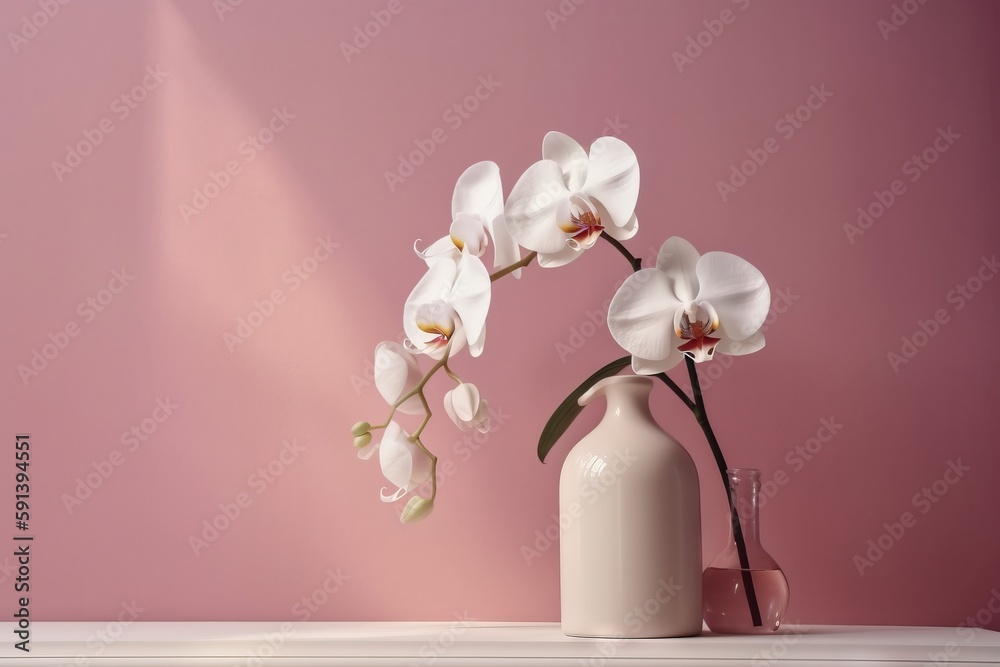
{"points": [[434, 286], [467, 231], [449, 408], [678, 259], [613, 179], [552, 260], [402, 462], [532, 206], [479, 191], [623, 233], [443, 248], [737, 290], [570, 157], [641, 315], [642, 366], [738, 347], [396, 374], [465, 399], [482, 418], [505, 248], [470, 296]]}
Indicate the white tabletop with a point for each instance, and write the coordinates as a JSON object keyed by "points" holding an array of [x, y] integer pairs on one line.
{"points": [[476, 644]]}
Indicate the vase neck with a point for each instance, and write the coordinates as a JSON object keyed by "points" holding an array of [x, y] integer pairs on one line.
{"points": [[744, 485], [627, 396]]}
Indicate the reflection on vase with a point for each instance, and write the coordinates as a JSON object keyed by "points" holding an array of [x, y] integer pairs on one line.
{"points": [[745, 592]]}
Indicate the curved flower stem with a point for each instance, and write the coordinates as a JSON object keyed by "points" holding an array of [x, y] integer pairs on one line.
{"points": [[697, 406], [636, 262], [701, 416], [677, 390], [524, 261], [452, 374]]}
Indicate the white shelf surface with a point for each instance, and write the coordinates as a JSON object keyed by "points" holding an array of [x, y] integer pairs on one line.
{"points": [[275, 644]]}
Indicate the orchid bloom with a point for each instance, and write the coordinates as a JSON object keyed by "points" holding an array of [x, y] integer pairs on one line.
{"points": [[397, 374], [448, 307], [402, 462], [465, 407], [690, 304], [477, 216], [560, 205]]}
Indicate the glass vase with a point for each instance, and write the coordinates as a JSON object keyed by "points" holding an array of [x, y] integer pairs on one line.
{"points": [[744, 590]]}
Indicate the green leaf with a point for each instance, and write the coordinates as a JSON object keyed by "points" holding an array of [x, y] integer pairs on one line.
{"points": [[569, 409]]}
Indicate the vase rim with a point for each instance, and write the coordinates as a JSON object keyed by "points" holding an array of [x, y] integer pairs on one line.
{"points": [[750, 472], [615, 380]]}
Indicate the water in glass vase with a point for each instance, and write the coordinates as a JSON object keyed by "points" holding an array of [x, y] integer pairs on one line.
{"points": [[726, 609], [744, 590]]}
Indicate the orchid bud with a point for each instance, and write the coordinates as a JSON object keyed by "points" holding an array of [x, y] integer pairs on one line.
{"points": [[416, 509], [362, 440], [360, 429]]}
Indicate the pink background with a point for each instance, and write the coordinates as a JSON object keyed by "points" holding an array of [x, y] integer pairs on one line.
{"points": [[608, 68]]}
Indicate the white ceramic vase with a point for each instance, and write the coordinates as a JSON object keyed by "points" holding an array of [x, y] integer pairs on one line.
{"points": [[630, 524]]}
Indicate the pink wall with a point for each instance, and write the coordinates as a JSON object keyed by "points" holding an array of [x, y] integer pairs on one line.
{"points": [[609, 67]]}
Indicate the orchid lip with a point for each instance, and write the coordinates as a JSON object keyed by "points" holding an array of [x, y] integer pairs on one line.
{"points": [[695, 323], [584, 225]]}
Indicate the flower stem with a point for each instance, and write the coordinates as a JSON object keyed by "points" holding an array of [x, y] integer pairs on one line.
{"points": [[677, 390], [524, 261], [697, 406], [701, 416], [636, 262]]}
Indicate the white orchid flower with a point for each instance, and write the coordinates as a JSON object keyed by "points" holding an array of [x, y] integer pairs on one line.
{"points": [[449, 306], [402, 462], [467, 409], [397, 373], [560, 205], [690, 304], [477, 216]]}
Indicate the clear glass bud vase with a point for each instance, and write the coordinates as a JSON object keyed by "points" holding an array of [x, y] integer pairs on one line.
{"points": [[744, 590]]}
